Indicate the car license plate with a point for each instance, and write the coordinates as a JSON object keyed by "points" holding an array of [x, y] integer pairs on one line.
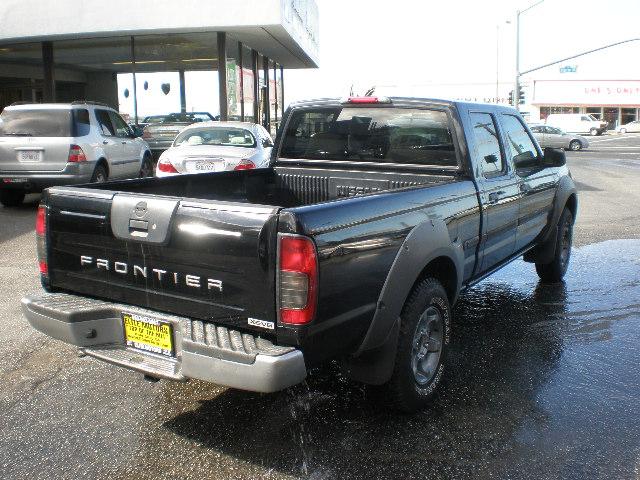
{"points": [[29, 156], [148, 334], [206, 166]]}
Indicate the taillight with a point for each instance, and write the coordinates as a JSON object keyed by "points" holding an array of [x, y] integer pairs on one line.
{"points": [[76, 154], [245, 164], [166, 166], [41, 239], [297, 279]]}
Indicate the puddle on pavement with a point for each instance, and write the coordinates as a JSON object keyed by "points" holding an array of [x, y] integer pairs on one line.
{"points": [[544, 382]]}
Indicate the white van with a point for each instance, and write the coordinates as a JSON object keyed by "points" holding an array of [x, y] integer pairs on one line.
{"points": [[577, 123]]}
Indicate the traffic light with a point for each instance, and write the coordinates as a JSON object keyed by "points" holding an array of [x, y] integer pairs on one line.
{"points": [[521, 96], [511, 97]]}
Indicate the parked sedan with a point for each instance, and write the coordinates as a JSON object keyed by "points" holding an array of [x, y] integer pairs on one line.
{"points": [[162, 129], [215, 147], [554, 137], [630, 127]]}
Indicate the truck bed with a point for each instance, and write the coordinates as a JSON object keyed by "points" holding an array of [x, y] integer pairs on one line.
{"points": [[216, 232], [283, 187]]}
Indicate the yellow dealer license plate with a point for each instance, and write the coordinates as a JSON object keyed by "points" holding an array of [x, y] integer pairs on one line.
{"points": [[148, 334]]}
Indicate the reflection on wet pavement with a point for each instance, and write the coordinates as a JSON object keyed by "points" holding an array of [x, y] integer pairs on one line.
{"points": [[544, 383]]}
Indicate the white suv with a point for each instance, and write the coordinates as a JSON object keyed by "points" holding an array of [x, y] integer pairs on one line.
{"points": [[42, 145]]}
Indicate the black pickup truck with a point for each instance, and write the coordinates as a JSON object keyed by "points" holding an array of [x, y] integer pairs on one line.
{"points": [[353, 247]]}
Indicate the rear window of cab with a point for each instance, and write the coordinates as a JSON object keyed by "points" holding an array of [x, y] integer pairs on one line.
{"points": [[45, 122], [371, 134]]}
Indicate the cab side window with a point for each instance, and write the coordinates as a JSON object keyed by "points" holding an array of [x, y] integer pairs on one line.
{"points": [[104, 122], [520, 146], [488, 151]]}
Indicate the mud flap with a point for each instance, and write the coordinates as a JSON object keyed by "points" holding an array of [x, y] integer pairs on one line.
{"points": [[374, 367]]}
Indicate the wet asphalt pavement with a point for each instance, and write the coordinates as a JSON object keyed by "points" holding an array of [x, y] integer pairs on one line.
{"points": [[545, 381]]}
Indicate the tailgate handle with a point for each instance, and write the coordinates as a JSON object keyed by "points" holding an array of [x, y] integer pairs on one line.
{"points": [[138, 225], [142, 219]]}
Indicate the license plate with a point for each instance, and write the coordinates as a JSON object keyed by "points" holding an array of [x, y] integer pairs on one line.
{"points": [[206, 166], [148, 334], [14, 180], [29, 156]]}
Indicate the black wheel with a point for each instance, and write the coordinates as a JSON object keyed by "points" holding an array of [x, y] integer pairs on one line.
{"points": [[575, 145], [554, 272], [99, 175], [422, 346], [11, 198], [593, 132], [146, 170]]}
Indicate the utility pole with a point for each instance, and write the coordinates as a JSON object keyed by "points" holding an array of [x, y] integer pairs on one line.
{"points": [[516, 90], [497, 60]]}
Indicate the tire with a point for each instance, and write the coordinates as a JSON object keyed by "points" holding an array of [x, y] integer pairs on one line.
{"points": [[99, 175], [146, 170], [623, 130], [422, 347], [11, 198], [575, 145], [593, 132], [554, 272]]}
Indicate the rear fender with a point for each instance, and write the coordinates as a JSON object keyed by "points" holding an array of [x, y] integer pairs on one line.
{"points": [[426, 242]]}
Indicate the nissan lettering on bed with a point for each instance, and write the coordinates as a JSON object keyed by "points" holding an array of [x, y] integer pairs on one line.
{"points": [[352, 247]]}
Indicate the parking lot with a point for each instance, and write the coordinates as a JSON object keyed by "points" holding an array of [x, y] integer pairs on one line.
{"points": [[545, 380]]}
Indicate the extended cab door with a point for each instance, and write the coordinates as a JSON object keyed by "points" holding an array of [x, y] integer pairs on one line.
{"points": [[537, 183], [499, 190]]}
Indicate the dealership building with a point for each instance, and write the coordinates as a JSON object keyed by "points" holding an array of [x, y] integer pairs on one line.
{"points": [[605, 84], [74, 50]]}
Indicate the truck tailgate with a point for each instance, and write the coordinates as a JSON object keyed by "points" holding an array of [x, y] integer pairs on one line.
{"points": [[197, 258]]}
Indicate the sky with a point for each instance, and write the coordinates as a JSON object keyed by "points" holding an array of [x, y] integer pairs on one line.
{"points": [[435, 48]]}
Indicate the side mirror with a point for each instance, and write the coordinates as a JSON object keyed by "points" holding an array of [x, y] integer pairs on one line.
{"points": [[554, 157], [136, 131], [266, 143]]}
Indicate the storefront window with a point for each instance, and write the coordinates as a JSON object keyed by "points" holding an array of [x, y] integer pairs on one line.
{"points": [[595, 111], [247, 82], [544, 113], [611, 117], [628, 115], [262, 92], [233, 78]]}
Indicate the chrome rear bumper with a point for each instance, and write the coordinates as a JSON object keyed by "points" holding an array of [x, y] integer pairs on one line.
{"points": [[203, 350]]}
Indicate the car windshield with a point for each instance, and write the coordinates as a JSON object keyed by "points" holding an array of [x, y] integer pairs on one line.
{"points": [[36, 123], [227, 136]]}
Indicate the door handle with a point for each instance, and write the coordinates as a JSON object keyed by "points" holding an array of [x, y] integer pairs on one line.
{"points": [[105, 142], [494, 197], [124, 143]]}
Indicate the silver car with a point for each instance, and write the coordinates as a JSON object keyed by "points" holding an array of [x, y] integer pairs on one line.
{"points": [[42, 145], [556, 138], [216, 147], [631, 127]]}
